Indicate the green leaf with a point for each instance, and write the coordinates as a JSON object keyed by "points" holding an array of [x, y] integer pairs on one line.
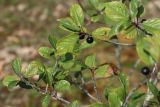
{"points": [[49, 76], [69, 25], [114, 100], [75, 104], [137, 95], [101, 33], [66, 44], [101, 71], [121, 92], [140, 11], [45, 52], [148, 50], [115, 30], [53, 41], [152, 26], [62, 74], [94, 3], [34, 68], [46, 100], [16, 65], [62, 85], [8, 81], [77, 15], [134, 5], [95, 18], [90, 61], [117, 12], [131, 32], [85, 45], [153, 89], [124, 81], [67, 65]]}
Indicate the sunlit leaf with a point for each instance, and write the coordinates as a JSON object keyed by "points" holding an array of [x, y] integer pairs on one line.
{"points": [[66, 44], [62, 85], [9, 80], [16, 65], [53, 41], [117, 11], [77, 15], [69, 24], [152, 26], [90, 61], [45, 52], [46, 100], [101, 33]]}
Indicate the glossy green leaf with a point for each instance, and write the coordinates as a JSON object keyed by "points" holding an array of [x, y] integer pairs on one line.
{"points": [[8, 81], [77, 15], [69, 24], [153, 89], [62, 85], [152, 26], [45, 52], [34, 68], [66, 44], [117, 12], [101, 71], [46, 100], [53, 41], [101, 33], [16, 65], [90, 61]]}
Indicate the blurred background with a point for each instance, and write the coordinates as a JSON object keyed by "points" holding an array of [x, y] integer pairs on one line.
{"points": [[25, 26]]}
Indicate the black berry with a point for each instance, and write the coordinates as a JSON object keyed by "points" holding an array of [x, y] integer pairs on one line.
{"points": [[82, 35], [89, 39], [145, 71]]}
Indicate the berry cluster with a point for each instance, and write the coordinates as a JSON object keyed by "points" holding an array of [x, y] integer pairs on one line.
{"points": [[89, 39]]}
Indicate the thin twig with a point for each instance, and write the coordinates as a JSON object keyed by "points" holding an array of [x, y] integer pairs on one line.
{"points": [[118, 49], [134, 66], [87, 93], [153, 79], [119, 43], [95, 85], [44, 91], [99, 78]]}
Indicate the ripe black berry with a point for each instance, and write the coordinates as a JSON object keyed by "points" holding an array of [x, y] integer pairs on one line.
{"points": [[89, 39], [82, 35], [145, 71]]}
